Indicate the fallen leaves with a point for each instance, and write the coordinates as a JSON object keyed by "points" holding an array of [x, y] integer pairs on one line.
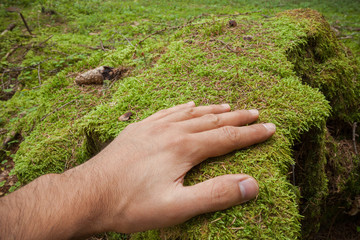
{"points": [[125, 117]]}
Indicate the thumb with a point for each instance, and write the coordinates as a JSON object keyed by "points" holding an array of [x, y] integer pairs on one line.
{"points": [[219, 193]]}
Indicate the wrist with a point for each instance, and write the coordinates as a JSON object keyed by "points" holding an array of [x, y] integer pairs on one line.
{"points": [[87, 200], [97, 195]]}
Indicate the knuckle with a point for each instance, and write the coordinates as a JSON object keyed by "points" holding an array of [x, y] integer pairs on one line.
{"points": [[231, 133], [213, 119], [219, 193], [190, 113]]}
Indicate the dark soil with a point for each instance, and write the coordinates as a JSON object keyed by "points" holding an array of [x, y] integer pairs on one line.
{"points": [[345, 228], [7, 164]]}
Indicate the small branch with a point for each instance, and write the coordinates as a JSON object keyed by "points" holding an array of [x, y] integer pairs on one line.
{"points": [[157, 32], [354, 136], [23, 19], [2, 80], [57, 109], [102, 46], [226, 45], [238, 14], [126, 38], [94, 48], [346, 37], [293, 174], [9, 28], [11, 52], [18, 69], [40, 44], [39, 75]]}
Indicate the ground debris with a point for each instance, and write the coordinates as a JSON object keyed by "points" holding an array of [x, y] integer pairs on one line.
{"points": [[47, 11], [13, 9], [10, 27], [232, 23], [355, 207], [125, 117], [248, 38], [99, 74]]}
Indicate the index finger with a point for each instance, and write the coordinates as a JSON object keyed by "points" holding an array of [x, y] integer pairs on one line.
{"points": [[223, 140]]}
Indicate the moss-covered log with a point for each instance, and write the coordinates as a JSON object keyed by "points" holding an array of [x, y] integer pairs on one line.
{"points": [[290, 67]]}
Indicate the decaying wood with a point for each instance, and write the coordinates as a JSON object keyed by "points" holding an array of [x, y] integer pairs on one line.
{"points": [[98, 75]]}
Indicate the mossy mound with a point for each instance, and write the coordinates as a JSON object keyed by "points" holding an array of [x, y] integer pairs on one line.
{"points": [[256, 64]]}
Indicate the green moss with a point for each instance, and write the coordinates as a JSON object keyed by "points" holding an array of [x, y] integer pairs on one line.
{"points": [[311, 178], [324, 63], [70, 123]]}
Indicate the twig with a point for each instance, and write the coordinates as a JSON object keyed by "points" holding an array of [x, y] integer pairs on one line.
{"points": [[157, 32], [227, 46], [293, 174], [23, 19], [9, 28], [40, 44], [102, 46], [346, 37], [57, 109], [11, 51], [126, 38], [332, 223], [354, 136], [238, 14], [18, 69], [39, 75], [93, 48], [2, 80]]}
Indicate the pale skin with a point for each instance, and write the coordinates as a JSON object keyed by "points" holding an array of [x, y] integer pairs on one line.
{"points": [[136, 182]]}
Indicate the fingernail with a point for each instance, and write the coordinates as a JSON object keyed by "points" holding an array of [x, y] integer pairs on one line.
{"points": [[270, 126], [226, 106], [254, 112], [249, 189], [192, 103]]}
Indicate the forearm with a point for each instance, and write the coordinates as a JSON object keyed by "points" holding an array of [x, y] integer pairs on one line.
{"points": [[54, 206]]}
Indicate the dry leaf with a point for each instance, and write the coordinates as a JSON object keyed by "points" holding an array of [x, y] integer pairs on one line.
{"points": [[125, 117]]}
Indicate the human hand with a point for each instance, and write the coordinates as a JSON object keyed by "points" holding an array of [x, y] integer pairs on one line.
{"points": [[143, 169]]}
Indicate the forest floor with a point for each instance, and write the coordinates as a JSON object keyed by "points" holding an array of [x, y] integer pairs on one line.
{"points": [[41, 38]]}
